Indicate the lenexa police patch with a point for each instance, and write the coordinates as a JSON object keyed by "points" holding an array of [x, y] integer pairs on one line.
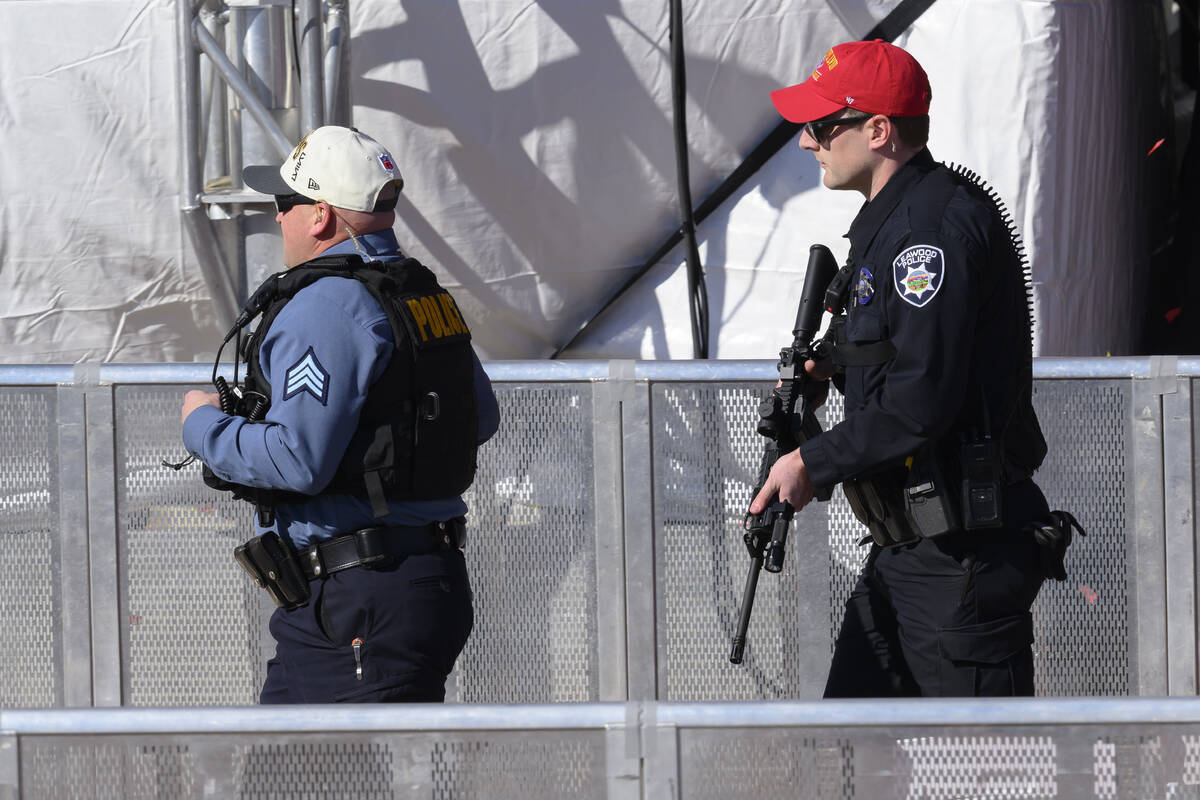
{"points": [[918, 272]]}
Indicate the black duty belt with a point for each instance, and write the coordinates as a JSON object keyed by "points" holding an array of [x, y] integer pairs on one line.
{"points": [[377, 547]]}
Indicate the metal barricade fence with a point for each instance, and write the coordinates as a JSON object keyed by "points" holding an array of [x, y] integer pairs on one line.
{"points": [[930, 749], [604, 549]]}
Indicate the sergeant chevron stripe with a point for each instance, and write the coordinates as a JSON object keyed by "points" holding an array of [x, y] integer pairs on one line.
{"points": [[307, 375]]}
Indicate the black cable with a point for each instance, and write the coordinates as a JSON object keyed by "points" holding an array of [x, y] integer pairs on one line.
{"points": [[697, 290], [887, 29]]}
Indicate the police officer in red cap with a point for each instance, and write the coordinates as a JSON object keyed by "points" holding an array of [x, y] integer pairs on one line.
{"points": [[934, 356]]}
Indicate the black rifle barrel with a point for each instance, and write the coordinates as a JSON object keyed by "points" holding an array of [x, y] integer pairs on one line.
{"points": [[739, 639]]}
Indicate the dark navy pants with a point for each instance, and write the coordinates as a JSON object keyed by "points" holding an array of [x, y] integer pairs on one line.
{"points": [[945, 617], [412, 617]]}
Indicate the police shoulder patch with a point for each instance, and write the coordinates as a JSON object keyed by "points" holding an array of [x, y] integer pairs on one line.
{"points": [[918, 272], [307, 375]]}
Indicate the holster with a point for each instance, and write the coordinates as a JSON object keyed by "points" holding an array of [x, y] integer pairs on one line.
{"points": [[272, 563], [877, 503], [1053, 536]]}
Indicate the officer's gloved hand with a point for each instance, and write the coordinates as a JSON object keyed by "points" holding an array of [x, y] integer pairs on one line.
{"points": [[1054, 537]]}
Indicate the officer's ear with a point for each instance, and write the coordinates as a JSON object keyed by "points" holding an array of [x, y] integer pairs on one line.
{"points": [[879, 129], [323, 220]]}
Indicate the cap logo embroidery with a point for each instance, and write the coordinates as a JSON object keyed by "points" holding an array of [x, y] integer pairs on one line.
{"points": [[313, 184], [299, 161], [849, 101], [386, 160], [831, 59], [299, 148]]}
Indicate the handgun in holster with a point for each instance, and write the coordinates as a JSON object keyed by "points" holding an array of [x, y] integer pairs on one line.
{"points": [[272, 563]]}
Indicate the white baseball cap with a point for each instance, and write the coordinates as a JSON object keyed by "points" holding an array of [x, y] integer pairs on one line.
{"points": [[335, 165]]}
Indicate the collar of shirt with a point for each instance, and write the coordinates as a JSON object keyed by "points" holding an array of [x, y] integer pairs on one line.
{"points": [[874, 213], [375, 246]]}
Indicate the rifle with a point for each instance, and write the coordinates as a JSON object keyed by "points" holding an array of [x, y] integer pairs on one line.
{"points": [[786, 420]]}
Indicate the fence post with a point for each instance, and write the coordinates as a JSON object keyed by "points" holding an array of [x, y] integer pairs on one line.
{"points": [[73, 544], [10, 766], [1179, 528], [102, 535], [611, 616], [1149, 584], [638, 477]]}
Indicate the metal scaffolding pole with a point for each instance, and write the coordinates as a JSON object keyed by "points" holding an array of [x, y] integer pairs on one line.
{"points": [[266, 85], [212, 265], [337, 32], [312, 84]]}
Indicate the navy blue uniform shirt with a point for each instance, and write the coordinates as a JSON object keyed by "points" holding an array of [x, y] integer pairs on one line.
{"points": [[950, 299], [300, 443]]}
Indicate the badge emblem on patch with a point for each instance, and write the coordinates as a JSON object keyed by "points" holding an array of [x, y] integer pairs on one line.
{"points": [[307, 375], [918, 272], [864, 290]]}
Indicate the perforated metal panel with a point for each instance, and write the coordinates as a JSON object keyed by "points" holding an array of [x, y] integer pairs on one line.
{"points": [[706, 461], [31, 647], [533, 765], [89, 768], [538, 765], [1083, 627], [706, 457], [192, 622], [945, 767], [532, 553], [718, 765], [951, 763], [348, 766], [847, 554]]}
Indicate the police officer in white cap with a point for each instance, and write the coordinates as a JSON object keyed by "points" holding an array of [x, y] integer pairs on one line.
{"points": [[376, 404]]}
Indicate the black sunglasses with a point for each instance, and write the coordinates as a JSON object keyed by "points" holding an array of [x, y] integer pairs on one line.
{"points": [[286, 202], [822, 129]]}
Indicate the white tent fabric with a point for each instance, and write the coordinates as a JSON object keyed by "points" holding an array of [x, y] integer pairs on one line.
{"points": [[535, 140], [93, 261]]}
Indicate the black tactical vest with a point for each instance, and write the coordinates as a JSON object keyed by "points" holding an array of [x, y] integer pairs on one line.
{"points": [[417, 431]]}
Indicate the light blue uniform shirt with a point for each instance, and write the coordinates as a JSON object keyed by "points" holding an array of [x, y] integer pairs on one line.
{"points": [[324, 350]]}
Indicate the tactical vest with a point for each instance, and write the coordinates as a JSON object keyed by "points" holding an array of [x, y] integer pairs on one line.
{"points": [[417, 431]]}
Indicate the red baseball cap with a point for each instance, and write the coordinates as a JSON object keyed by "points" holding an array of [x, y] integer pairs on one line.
{"points": [[875, 77]]}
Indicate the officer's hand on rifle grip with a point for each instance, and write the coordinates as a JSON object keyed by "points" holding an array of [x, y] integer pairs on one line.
{"points": [[789, 481]]}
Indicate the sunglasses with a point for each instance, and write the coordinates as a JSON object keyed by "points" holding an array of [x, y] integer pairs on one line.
{"points": [[286, 202], [821, 130]]}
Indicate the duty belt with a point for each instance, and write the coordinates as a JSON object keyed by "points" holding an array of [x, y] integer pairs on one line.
{"points": [[376, 547]]}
